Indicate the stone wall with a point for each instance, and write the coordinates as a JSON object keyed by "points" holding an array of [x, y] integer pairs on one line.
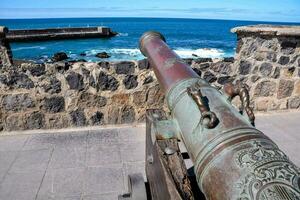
{"points": [[5, 52], [268, 60], [72, 94], [64, 94]]}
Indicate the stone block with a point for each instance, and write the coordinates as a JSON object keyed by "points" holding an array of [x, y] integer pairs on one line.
{"points": [[143, 64], [14, 122], [107, 82], [127, 114], [52, 85], [130, 81], [91, 100], [244, 67], [284, 60], [17, 102], [97, 118], [75, 81], [19, 80], [34, 120], [209, 77], [294, 102], [285, 88], [265, 88], [120, 99], [139, 97], [266, 69], [124, 67], [57, 121], [78, 117], [54, 104], [148, 79], [262, 104]]}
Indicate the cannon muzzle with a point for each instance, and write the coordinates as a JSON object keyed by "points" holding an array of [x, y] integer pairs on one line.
{"points": [[232, 159]]}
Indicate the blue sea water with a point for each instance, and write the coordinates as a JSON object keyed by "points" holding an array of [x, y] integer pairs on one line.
{"points": [[204, 38]]}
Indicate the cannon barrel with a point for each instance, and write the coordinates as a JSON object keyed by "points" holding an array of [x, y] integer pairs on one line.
{"points": [[232, 159]]}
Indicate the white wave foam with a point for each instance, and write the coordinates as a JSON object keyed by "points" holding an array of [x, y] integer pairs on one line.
{"points": [[123, 34], [33, 47], [204, 53]]}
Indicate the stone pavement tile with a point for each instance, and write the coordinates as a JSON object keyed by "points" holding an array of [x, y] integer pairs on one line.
{"points": [[132, 134], [32, 160], [99, 155], [62, 183], [21, 186], [101, 180], [68, 157], [132, 152], [12, 143], [55, 197], [40, 141], [71, 139], [103, 136], [6, 160], [110, 196]]}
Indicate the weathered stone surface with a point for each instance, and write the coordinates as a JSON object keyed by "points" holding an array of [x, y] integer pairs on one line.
{"points": [[285, 88], [228, 59], [209, 77], [262, 104], [130, 81], [62, 67], [54, 104], [225, 79], [91, 100], [222, 67], [107, 82], [34, 120], [14, 122], [294, 102], [17, 102], [124, 67], [203, 66], [254, 78], [283, 60], [57, 121], [19, 80], [139, 98], [37, 70], [198, 71], [155, 96], [276, 73], [244, 67], [148, 79], [143, 64], [266, 69], [75, 81], [52, 85], [128, 115], [104, 65], [59, 56], [288, 47], [97, 118], [271, 56], [113, 116], [78, 117], [265, 88], [102, 55], [120, 99], [202, 60]]}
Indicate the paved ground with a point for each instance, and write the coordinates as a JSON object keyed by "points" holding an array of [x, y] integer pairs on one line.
{"points": [[93, 164]]}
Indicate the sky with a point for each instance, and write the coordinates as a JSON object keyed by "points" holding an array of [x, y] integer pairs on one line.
{"points": [[253, 10]]}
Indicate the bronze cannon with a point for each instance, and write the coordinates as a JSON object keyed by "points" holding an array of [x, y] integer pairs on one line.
{"points": [[232, 159]]}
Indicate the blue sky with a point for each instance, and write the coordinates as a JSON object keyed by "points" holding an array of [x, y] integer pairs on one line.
{"points": [[257, 10]]}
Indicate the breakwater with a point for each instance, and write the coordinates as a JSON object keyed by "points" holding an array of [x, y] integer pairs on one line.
{"points": [[58, 34]]}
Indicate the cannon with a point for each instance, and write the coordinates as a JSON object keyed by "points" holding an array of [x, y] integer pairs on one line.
{"points": [[232, 160]]}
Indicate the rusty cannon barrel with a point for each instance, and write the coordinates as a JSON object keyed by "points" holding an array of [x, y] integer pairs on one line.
{"points": [[232, 159]]}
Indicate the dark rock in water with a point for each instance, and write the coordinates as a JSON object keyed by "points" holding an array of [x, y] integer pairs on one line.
{"points": [[104, 65], [19, 80], [54, 104], [147, 80], [35, 120], [125, 67], [130, 81], [107, 82], [82, 54], [37, 70], [283, 60], [97, 118], [195, 55], [209, 77], [75, 81], [102, 55], [60, 56], [143, 64], [78, 117]]}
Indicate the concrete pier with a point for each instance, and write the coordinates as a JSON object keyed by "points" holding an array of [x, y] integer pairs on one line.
{"points": [[58, 34]]}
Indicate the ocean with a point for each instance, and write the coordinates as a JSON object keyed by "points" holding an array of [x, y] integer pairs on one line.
{"points": [[201, 37]]}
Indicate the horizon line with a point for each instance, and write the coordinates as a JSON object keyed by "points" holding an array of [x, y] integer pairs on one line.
{"points": [[191, 18]]}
